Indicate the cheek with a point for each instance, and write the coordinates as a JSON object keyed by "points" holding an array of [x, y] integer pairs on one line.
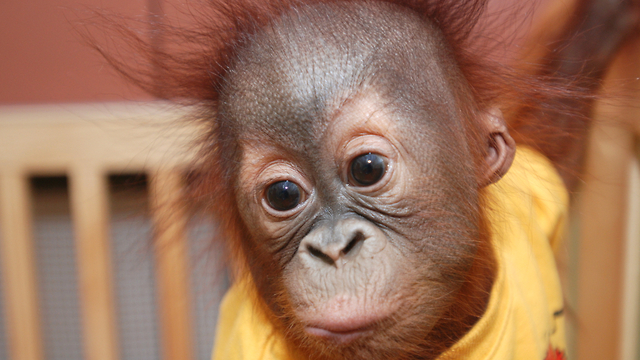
{"points": [[257, 222], [257, 245]]}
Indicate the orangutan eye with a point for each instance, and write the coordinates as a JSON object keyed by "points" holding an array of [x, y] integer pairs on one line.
{"points": [[283, 195], [367, 169]]}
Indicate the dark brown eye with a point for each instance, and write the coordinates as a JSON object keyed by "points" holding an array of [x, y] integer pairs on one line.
{"points": [[283, 195], [367, 169]]}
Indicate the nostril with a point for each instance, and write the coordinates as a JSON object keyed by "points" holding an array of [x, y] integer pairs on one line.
{"points": [[320, 255], [354, 244]]}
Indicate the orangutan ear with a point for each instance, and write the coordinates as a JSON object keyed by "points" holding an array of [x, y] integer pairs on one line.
{"points": [[500, 146]]}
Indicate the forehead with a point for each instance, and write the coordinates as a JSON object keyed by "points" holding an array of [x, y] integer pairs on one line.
{"points": [[292, 79], [366, 114]]}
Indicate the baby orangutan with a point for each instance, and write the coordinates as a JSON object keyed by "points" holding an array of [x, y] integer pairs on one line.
{"points": [[354, 161]]}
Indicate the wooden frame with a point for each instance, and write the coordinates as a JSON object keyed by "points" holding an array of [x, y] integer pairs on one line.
{"points": [[20, 286], [608, 283], [86, 142]]}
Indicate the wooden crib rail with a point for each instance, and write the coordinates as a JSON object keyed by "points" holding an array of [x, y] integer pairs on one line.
{"points": [[90, 216], [20, 286], [86, 143], [608, 274]]}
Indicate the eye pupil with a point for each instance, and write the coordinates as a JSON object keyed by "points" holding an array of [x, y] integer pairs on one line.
{"points": [[283, 195], [367, 169]]}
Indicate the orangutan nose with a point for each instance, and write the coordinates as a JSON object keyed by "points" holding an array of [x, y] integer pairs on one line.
{"points": [[332, 252]]}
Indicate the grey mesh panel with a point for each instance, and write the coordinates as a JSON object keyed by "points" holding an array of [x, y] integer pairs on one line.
{"points": [[133, 260], [56, 270]]}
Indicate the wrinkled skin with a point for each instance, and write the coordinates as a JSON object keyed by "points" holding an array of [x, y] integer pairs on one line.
{"points": [[357, 271]]}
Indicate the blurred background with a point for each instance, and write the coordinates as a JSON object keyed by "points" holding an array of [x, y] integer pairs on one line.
{"points": [[92, 168]]}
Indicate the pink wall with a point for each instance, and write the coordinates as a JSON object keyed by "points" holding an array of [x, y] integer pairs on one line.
{"points": [[42, 59]]}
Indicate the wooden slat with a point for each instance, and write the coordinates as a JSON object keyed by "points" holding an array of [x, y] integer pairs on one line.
{"points": [[89, 209], [604, 214], [172, 265], [19, 273], [629, 68], [631, 285], [601, 245], [131, 138]]}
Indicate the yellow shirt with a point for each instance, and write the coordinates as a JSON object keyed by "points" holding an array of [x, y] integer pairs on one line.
{"points": [[524, 318]]}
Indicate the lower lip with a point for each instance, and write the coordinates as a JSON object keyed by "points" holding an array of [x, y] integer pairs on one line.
{"points": [[341, 337]]}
